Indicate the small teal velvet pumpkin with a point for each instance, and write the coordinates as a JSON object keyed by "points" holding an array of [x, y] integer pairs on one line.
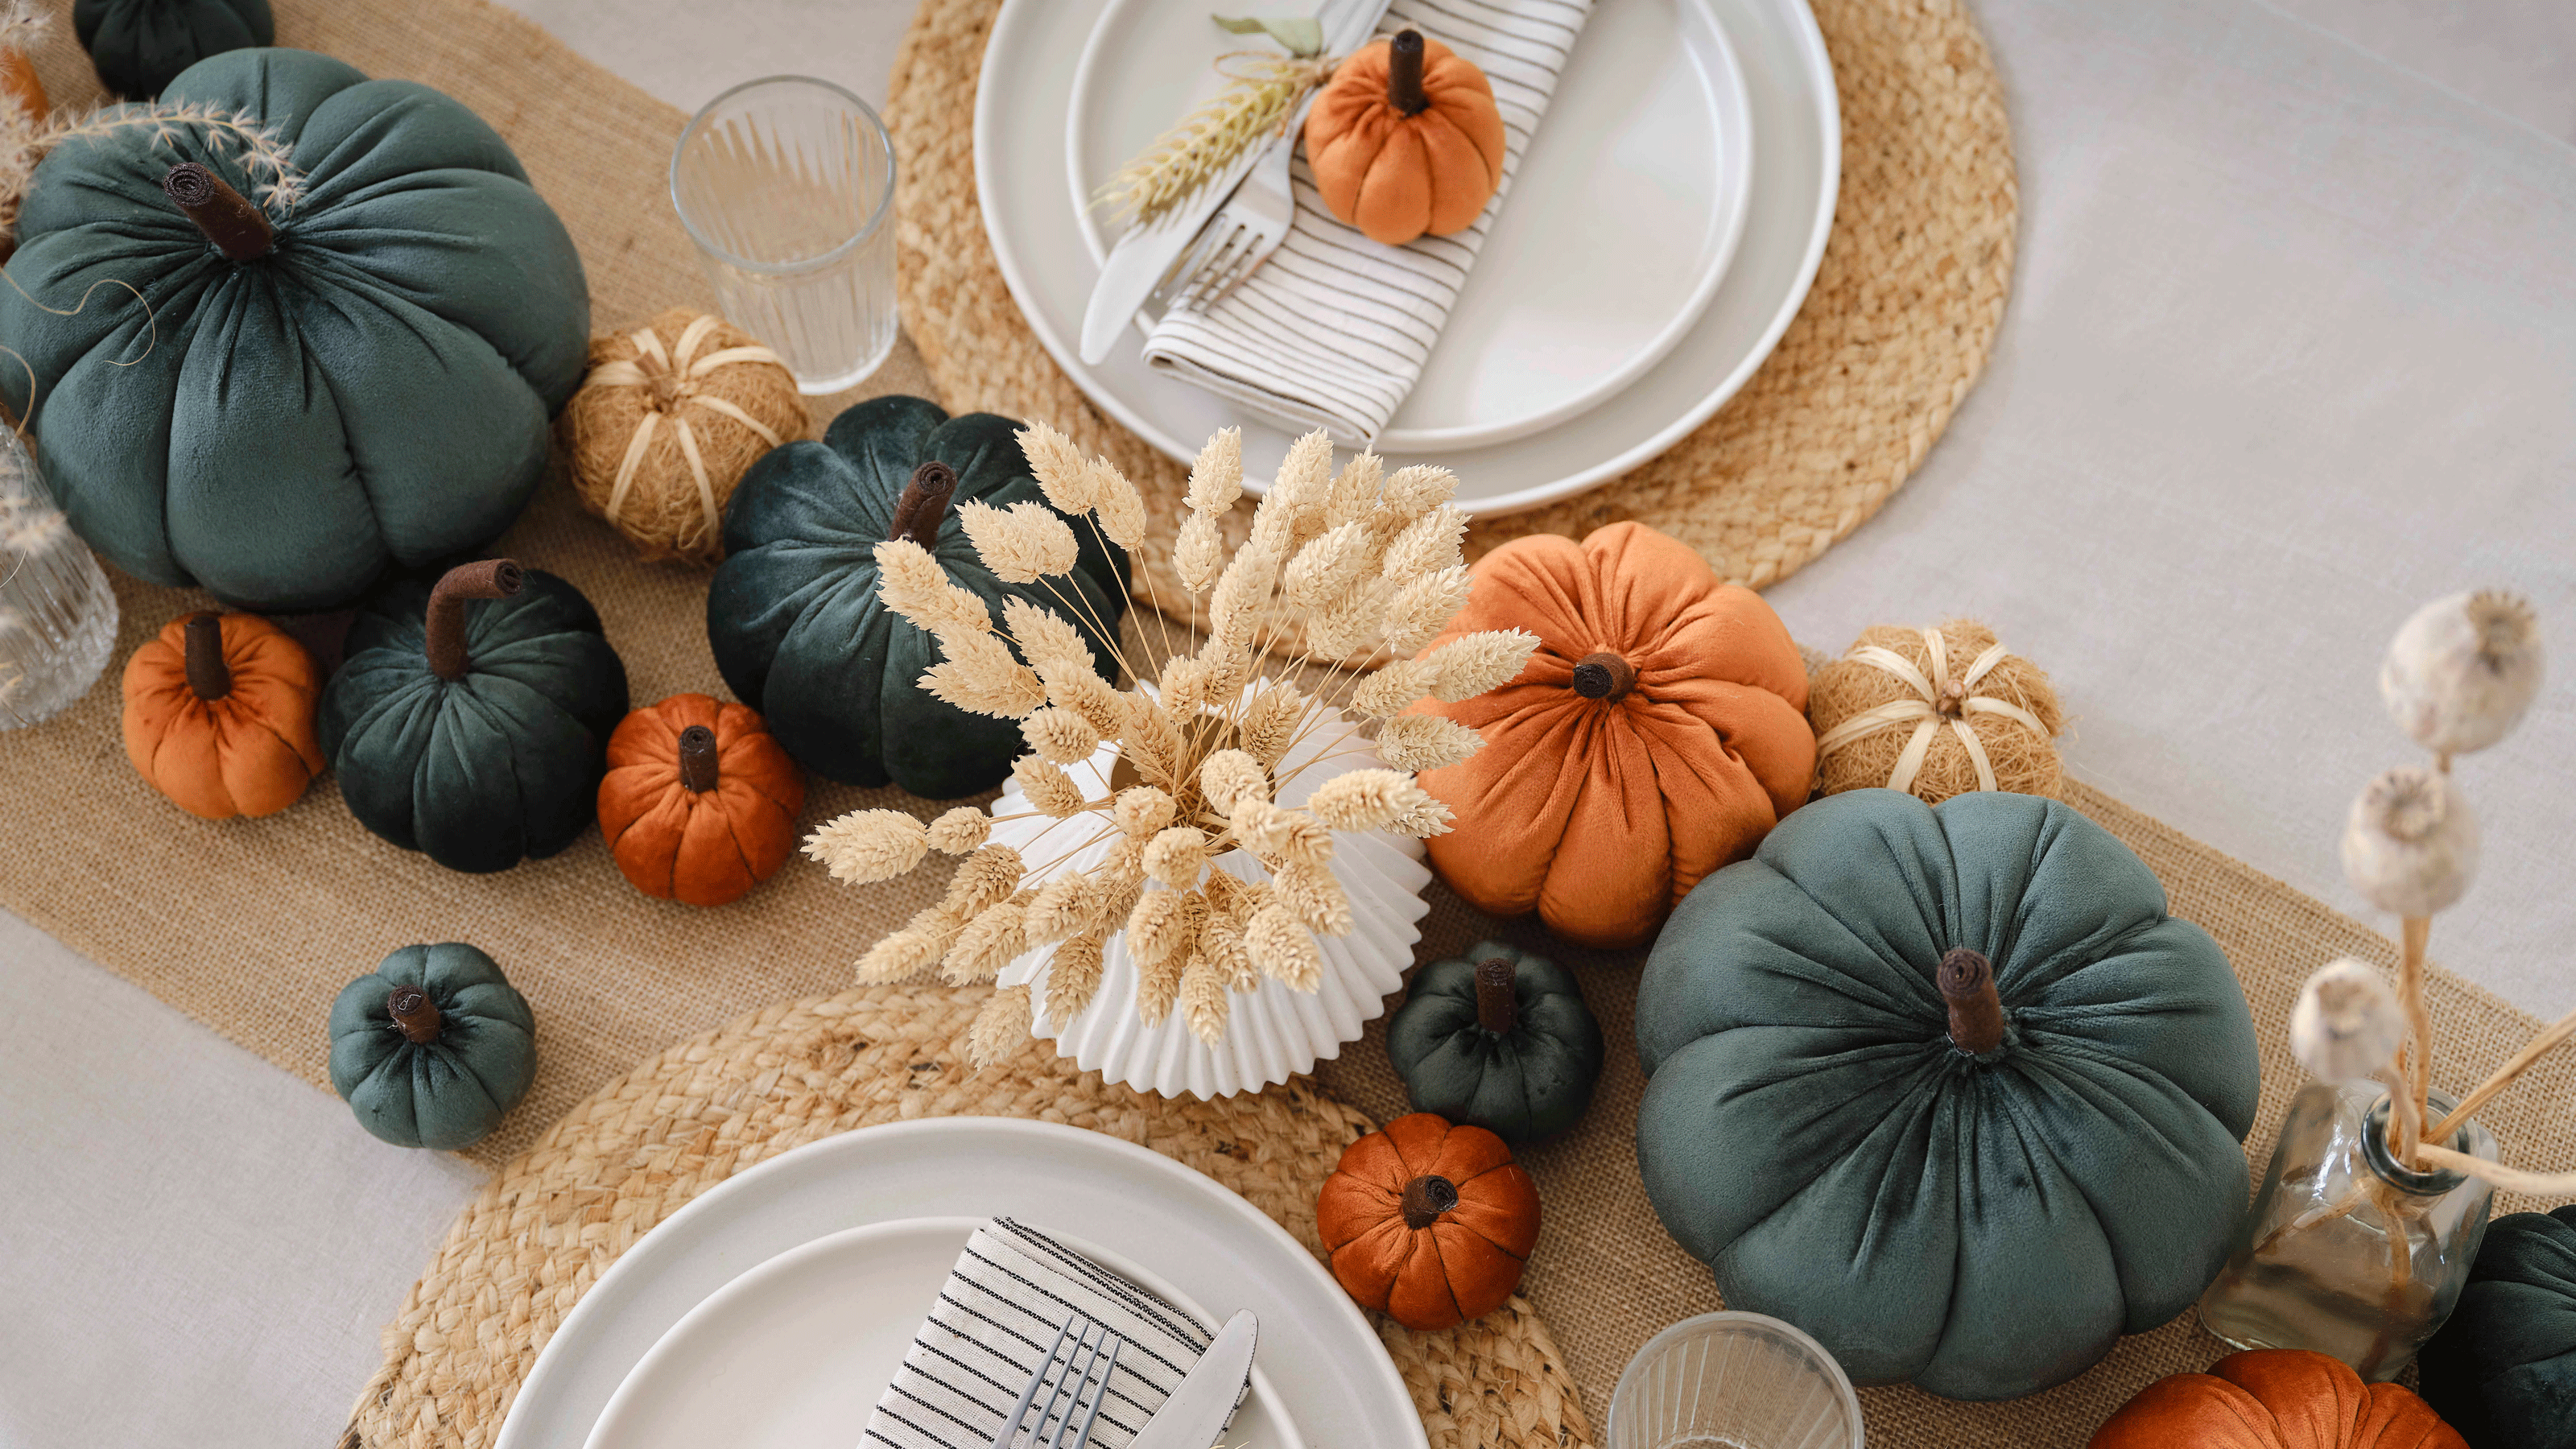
{"points": [[471, 721], [361, 379], [139, 46], [1946, 1088], [793, 614], [2503, 1369], [1499, 1039], [432, 1047]]}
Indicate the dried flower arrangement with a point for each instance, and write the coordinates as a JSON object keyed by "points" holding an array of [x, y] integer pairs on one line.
{"points": [[1363, 555]]}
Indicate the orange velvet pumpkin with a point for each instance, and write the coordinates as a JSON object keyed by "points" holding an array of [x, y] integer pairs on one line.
{"points": [[219, 715], [2275, 1398], [1428, 1223], [1657, 733], [699, 803], [1405, 139]]}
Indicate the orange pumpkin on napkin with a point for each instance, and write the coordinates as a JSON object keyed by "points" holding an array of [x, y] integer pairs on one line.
{"points": [[1657, 733], [219, 715], [2275, 1398], [1405, 139], [1428, 1223], [699, 803]]}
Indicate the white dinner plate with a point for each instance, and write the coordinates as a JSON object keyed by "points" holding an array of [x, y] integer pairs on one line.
{"points": [[794, 1353], [1324, 1362], [1541, 331], [1029, 215]]}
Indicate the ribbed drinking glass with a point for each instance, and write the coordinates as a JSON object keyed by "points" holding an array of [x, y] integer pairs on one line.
{"points": [[1733, 1381], [57, 615]]}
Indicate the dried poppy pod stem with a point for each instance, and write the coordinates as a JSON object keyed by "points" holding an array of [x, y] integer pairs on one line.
{"points": [[1604, 676], [1967, 982], [1426, 1198], [1404, 73], [1497, 1005], [923, 505], [414, 1013], [209, 678], [698, 772], [237, 228], [493, 578]]}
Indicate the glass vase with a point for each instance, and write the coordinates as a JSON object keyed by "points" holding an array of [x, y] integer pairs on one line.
{"points": [[2346, 1252], [57, 614]]}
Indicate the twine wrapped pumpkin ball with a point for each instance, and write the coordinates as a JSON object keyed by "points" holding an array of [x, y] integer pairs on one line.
{"points": [[1936, 713], [667, 421]]}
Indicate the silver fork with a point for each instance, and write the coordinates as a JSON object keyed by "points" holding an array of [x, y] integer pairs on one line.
{"points": [[1073, 1359], [1245, 231]]}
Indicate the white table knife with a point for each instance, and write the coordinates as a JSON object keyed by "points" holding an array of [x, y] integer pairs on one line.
{"points": [[1196, 1412], [1139, 261]]}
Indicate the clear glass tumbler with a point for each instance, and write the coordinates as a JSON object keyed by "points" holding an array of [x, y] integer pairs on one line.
{"points": [[1737, 1380], [57, 614], [787, 186]]}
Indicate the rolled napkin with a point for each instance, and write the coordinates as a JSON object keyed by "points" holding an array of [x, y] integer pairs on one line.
{"points": [[1333, 330], [994, 1325]]}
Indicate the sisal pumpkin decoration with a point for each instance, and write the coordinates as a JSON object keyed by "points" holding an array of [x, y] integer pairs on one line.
{"points": [[2503, 1368], [1498, 1039], [140, 46], [471, 719], [699, 803], [219, 715], [2277, 1398], [667, 420], [1655, 735], [1428, 1223], [433, 1047], [1935, 713], [1947, 1088], [1405, 140]]}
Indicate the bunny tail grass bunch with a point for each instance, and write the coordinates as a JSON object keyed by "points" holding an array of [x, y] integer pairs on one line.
{"points": [[1362, 555]]}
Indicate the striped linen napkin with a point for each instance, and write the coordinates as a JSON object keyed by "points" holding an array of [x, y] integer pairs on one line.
{"points": [[996, 1319], [1333, 330]]}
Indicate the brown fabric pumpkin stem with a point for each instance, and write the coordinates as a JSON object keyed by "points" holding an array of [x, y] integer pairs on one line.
{"points": [[1426, 1198], [209, 678], [493, 578], [1967, 982], [1496, 1005], [1404, 74], [1605, 677], [698, 759], [415, 1013], [238, 229], [924, 504]]}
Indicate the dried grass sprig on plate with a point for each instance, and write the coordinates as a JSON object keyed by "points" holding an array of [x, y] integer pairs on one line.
{"points": [[1259, 98]]}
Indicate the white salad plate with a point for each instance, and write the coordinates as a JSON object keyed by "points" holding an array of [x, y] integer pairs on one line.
{"points": [[1026, 93], [1325, 1365], [1541, 331], [794, 1353]]}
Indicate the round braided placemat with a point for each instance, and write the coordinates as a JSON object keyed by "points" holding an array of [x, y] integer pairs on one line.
{"points": [[553, 1219], [1895, 331]]}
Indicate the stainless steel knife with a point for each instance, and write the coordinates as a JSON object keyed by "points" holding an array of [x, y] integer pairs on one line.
{"points": [[1197, 1411]]}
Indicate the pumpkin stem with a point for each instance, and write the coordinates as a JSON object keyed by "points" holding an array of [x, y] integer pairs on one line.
{"points": [[698, 759], [493, 578], [924, 504], [1967, 982], [1426, 1198], [1496, 1005], [1604, 676], [1404, 73], [415, 1013], [209, 678], [238, 229]]}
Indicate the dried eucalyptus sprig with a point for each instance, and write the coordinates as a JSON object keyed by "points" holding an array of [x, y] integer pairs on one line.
{"points": [[1260, 95]]}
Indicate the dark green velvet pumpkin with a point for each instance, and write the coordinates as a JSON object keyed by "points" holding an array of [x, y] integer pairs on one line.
{"points": [[2503, 1369], [795, 621], [1498, 1038], [432, 1047], [471, 721], [1946, 1088], [362, 379], [139, 46]]}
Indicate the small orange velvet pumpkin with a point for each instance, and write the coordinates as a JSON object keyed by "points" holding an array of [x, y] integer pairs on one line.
{"points": [[1657, 733], [1405, 139], [1427, 1222], [699, 803], [2275, 1398], [219, 715]]}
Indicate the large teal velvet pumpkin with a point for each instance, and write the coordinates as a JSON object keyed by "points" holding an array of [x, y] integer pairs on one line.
{"points": [[2503, 1369], [139, 46], [361, 379], [432, 1047], [1498, 1039], [1946, 1088], [471, 721], [798, 630]]}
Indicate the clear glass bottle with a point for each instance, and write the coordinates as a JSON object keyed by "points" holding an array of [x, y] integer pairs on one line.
{"points": [[57, 614], [2346, 1252]]}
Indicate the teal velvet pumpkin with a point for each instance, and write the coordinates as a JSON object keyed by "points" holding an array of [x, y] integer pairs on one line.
{"points": [[1500, 1039], [2503, 1369], [432, 1047], [1946, 1088], [319, 390], [471, 721], [793, 613], [139, 46]]}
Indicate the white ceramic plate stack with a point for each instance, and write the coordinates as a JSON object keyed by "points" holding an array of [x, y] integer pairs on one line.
{"points": [[1661, 231]]}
